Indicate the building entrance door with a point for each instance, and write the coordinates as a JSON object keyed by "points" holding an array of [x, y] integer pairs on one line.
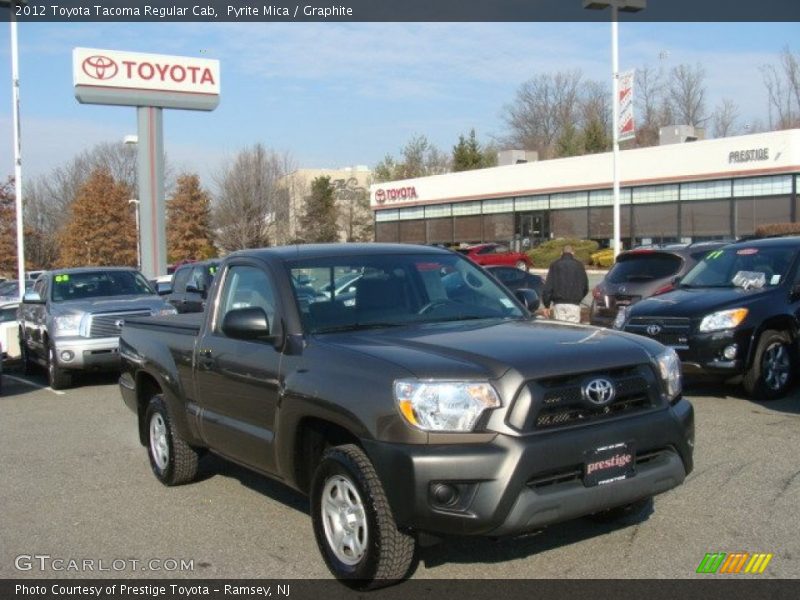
{"points": [[533, 228]]}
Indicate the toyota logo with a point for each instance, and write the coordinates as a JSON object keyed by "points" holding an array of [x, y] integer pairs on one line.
{"points": [[599, 392], [119, 323], [380, 196], [100, 67], [653, 329]]}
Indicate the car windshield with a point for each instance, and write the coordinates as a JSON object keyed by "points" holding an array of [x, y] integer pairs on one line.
{"points": [[644, 266], [397, 290], [741, 267], [98, 284]]}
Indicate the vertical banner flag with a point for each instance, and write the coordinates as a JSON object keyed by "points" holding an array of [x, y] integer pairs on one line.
{"points": [[627, 129]]}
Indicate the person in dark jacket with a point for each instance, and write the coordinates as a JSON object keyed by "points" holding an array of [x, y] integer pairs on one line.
{"points": [[566, 285]]}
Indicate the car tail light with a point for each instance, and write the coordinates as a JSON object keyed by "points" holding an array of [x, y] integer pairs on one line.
{"points": [[664, 289]]}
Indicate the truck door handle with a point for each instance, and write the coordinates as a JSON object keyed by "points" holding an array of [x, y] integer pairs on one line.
{"points": [[206, 360]]}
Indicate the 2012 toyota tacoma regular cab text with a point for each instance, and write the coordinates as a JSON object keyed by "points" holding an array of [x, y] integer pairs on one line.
{"points": [[426, 400]]}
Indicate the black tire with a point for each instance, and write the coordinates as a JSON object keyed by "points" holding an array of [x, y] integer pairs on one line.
{"points": [[634, 510], [28, 366], [770, 375], [178, 462], [57, 377], [389, 552]]}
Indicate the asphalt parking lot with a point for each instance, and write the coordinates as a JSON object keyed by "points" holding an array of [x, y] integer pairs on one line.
{"points": [[77, 485]]}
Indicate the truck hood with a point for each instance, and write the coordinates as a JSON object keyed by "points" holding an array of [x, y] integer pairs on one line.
{"points": [[115, 304], [488, 349], [695, 303]]}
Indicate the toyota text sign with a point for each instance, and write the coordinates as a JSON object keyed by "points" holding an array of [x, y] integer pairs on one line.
{"points": [[132, 78]]}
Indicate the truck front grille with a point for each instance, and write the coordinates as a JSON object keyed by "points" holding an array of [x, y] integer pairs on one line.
{"points": [[560, 402], [109, 324], [669, 331]]}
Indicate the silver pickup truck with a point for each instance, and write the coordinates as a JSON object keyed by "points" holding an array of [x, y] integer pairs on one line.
{"points": [[72, 319]]}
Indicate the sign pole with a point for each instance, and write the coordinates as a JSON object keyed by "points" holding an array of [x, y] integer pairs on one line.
{"points": [[615, 94], [17, 152], [151, 191]]}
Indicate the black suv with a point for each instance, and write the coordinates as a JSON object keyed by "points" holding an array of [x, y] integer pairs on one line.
{"points": [[641, 273], [190, 284], [735, 314]]}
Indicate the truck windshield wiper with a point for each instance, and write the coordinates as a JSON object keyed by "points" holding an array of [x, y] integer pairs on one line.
{"points": [[358, 327], [459, 318]]}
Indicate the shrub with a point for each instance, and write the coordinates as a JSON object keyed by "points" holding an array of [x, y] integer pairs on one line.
{"points": [[603, 258], [549, 251], [777, 229]]}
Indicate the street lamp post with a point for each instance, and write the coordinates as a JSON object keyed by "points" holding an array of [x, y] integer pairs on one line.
{"points": [[135, 203], [616, 6], [17, 142]]}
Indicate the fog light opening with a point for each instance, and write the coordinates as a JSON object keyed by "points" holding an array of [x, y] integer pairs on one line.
{"points": [[67, 355], [730, 352], [444, 494]]}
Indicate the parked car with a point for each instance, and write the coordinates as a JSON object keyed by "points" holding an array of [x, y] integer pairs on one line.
{"points": [[517, 279], [414, 410], [72, 318], [190, 285], [642, 273], [9, 330], [496, 254], [735, 314]]}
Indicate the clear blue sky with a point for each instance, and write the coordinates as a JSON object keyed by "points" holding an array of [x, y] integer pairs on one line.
{"points": [[341, 94]]}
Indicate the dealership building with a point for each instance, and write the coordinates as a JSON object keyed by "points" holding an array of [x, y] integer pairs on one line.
{"points": [[679, 192]]}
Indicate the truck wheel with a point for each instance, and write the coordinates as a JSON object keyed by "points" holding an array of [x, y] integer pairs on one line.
{"points": [[627, 511], [353, 523], [770, 375], [28, 365], [57, 377], [173, 461]]}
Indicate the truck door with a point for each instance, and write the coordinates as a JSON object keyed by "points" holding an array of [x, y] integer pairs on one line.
{"points": [[237, 380]]}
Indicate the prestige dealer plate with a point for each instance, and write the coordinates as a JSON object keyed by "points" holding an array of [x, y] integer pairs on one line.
{"points": [[609, 463]]}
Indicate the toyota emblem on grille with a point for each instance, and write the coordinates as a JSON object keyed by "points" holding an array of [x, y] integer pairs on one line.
{"points": [[119, 323], [653, 329], [100, 67], [599, 392]]}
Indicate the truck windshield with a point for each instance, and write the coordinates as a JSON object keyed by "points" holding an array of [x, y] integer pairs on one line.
{"points": [[98, 284], [741, 267], [391, 289]]}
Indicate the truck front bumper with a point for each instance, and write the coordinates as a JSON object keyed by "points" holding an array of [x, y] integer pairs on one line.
{"points": [[513, 485], [87, 353]]}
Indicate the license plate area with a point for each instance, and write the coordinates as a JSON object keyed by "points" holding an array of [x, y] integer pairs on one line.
{"points": [[608, 464]]}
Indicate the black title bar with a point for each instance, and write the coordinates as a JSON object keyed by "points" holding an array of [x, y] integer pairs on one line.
{"points": [[391, 10]]}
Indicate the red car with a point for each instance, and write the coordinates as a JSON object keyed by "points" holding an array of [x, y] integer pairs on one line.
{"points": [[496, 254]]}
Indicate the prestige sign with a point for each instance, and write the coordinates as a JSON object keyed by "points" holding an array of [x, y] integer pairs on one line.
{"points": [[132, 78]]}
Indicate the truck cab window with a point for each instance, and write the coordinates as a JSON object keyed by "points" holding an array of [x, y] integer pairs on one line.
{"points": [[247, 287]]}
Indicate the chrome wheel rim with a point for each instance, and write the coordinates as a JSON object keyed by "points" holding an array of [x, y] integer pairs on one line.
{"points": [[344, 520], [776, 366], [159, 448]]}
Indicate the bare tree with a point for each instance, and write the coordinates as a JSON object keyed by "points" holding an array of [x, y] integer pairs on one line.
{"points": [[418, 158], [725, 117], [651, 106], [687, 94], [783, 91], [542, 108], [252, 201]]}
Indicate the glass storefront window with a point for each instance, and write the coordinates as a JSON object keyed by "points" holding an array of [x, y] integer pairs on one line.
{"points": [[569, 200], [606, 197], [655, 193], [382, 216], [438, 210], [466, 208], [762, 186], [498, 206], [706, 190], [531, 203], [408, 214]]}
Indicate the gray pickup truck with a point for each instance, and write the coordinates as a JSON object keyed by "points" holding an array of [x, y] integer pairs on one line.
{"points": [[425, 402], [72, 318]]}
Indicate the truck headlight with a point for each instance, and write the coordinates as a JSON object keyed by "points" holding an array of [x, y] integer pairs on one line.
{"points": [[67, 325], [723, 319], [167, 310], [669, 366], [622, 315], [444, 405]]}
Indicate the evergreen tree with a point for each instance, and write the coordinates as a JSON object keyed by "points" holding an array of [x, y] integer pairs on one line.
{"points": [[319, 219], [189, 221], [468, 154], [595, 137], [101, 230], [569, 142]]}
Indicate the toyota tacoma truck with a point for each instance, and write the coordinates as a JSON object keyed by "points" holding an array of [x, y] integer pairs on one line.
{"points": [[428, 403]]}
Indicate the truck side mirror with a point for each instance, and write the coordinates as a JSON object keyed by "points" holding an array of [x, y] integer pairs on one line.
{"points": [[529, 298], [32, 298], [247, 324]]}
